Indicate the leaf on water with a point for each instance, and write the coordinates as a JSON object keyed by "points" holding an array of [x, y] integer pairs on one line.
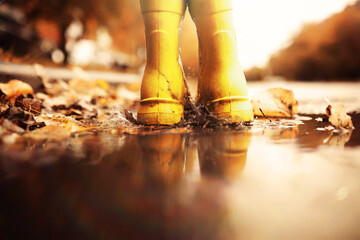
{"points": [[275, 102], [338, 116], [49, 133]]}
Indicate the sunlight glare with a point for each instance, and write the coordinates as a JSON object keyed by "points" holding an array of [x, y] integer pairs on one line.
{"points": [[263, 27]]}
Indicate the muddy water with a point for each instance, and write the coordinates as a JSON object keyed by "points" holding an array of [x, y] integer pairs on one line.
{"points": [[272, 180]]}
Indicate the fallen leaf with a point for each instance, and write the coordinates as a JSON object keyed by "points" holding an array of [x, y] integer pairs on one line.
{"points": [[11, 127], [29, 104], [338, 116], [68, 123], [49, 133], [22, 118], [275, 102], [14, 89], [55, 87]]}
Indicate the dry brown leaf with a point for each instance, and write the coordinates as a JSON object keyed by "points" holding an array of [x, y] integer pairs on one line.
{"points": [[275, 102], [338, 116], [29, 104], [49, 133], [68, 123], [55, 87], [11, 127]]}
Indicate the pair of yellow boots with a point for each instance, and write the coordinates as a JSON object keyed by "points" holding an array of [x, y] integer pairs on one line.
{"points": [[222, 84]]}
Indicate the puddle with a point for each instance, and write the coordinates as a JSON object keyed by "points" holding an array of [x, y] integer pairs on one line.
{"points": [[272, 180]]}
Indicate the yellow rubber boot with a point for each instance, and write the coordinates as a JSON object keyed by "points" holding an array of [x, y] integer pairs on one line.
{"points": [[222, 83], [163, 87]]}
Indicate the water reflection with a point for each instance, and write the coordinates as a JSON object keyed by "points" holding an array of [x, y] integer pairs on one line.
{"points": [[315, 133], [163, 158], [136, 191], [280, 133], [175, 185], [223, 154], [338, 138], [93, 148]]}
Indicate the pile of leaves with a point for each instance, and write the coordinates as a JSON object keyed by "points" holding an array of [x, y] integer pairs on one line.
{"points": [[63, 107], [18, 107]]}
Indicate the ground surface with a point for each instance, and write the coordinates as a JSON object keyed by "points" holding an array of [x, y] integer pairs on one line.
{"points": [[279, 179]]}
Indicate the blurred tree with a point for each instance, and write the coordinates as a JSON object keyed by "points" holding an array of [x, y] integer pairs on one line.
{"points": [[121, 17], [255, 73], [328, 50]]}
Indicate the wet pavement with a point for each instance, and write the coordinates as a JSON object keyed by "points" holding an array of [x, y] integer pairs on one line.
{"points": [[278, 179]]}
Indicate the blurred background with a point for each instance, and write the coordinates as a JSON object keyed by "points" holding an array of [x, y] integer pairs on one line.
{"points": [[294, 40]]}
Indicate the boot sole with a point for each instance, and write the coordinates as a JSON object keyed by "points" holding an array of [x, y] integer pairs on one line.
{"points": [[232, 109], [159, 111]]}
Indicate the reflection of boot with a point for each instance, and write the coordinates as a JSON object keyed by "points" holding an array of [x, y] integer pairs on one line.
{"points": [[223, 154], [163, 157], [222, 84], [163, 87]]}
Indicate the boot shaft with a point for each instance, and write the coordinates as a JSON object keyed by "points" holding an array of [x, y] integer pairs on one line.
{"points": [[162, 19], [216, 34], [174, 6], [200, 8]]}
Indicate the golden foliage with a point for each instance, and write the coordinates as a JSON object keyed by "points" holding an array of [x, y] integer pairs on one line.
{"points": [[327, 50]]}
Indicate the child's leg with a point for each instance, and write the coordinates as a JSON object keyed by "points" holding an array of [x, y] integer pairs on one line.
{"points": [[163, 88], [222, 84]]}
